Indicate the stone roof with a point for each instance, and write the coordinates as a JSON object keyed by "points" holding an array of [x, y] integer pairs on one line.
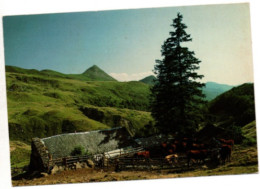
{"points": [[94, 142], [152, 141]]}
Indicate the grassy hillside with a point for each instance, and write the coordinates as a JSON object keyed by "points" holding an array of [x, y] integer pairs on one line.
{"points": [[41, 105], [44, 103], [231, 111], [93, 73], [211, 89], [249, 132], [96, 74], [236, 105], [20, 156], [150, 80]]}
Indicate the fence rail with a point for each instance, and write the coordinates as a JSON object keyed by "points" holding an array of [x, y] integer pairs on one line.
{"points": [[68, 161], [105, 157], [122, 152], [148, 163], [124, 159]]}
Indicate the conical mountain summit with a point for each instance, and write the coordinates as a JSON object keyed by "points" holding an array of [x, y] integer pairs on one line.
{"points": [[97, 74]]}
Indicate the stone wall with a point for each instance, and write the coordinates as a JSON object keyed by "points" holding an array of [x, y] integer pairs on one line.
{"points": [[40, 156]]}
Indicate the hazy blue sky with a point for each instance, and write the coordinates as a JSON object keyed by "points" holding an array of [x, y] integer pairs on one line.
{"points": [[126, 43]]}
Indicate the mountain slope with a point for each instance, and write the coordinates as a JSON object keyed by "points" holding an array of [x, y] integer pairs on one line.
{"points": [[93, 73], [235, 106], [41, 105], [96, 74], [150, 80], [212, 89]]}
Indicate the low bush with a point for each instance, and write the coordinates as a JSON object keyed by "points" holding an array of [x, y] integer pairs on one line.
{"points": [[249, 142], [78, 151]]}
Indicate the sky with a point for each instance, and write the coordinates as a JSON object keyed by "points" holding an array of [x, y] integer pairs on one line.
{"points": [[126, 43]]}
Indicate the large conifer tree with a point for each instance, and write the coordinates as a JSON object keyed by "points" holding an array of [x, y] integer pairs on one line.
{"points": [[177, 95]]}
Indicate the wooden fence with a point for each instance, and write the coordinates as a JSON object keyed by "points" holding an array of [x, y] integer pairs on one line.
{"points": [[100, 160], [68, 161], [123, 159], [122, 152], [132, 163]]}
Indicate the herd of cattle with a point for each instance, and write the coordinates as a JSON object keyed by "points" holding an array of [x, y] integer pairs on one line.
{"points": [[218, 151]]}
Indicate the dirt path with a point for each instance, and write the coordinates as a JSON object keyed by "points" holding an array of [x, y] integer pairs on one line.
{"points": [[88, 175]]}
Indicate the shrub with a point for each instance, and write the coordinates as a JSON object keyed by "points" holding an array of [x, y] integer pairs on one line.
{"points": [[237, 133], [249, 142], [68, 126], [77, 151], [38, 126]]}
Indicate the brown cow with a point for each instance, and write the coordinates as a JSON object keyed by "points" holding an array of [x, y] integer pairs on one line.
{"points": [[227, 142], [143, 154], [164, 145], [164, 148], [195, 146]]}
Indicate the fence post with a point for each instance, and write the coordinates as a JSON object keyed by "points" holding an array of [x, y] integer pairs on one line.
{"points": [[65, 162]]}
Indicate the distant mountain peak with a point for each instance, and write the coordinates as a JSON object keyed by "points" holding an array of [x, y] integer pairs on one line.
{"points": [[213, 89], [96, 73], [93, 68]]}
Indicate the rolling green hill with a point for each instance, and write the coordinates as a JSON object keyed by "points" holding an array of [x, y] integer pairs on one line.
{"points": [[231, 115], [150, 80], [93, 73], [45, 103], [236, 105], [212, 89], [249, 132]]}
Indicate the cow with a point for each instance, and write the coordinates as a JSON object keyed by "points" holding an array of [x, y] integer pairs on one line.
{"points": [[227, 142], [225, 153], [178, 146], [197, 155], [142, 154], [155, 152], [164, 148], [164, 145], [168, 148], [173, 148], [196, 146], [172, 158]]}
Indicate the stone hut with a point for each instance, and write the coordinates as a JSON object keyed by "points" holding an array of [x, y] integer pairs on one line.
{"points": [[60, 146]]}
